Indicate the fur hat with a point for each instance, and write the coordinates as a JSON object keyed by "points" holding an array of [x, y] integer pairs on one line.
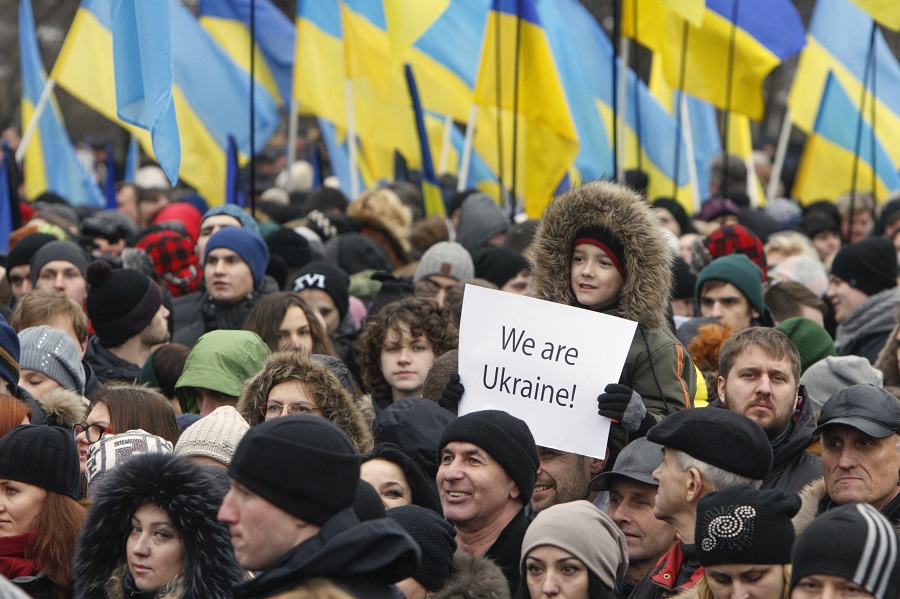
{"points": [[249, 246], [120, 303], [53, 353], [215, 436]]}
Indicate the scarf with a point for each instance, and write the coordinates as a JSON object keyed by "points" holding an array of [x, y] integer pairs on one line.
{"points": [[12, 555]]}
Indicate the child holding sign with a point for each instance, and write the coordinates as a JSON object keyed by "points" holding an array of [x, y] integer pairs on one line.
{"points": [[599, 248]]}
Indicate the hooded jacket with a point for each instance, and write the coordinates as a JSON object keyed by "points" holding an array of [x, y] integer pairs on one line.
{"points": [[191, 496], [336, 403], [865, 331], [657, 367], [480, 218], [106, 365], [364, 558]]}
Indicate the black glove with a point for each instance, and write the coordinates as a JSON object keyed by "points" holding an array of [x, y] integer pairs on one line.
{"points": [[624, 405], [452, 393]]}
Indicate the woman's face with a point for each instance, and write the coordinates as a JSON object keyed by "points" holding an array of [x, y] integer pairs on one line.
{"points": [[390, 482], [99, 415], [554, 572], [153, 548], [745, 580], [294, 331], [20, 505], [291, 398], [36, 383]]}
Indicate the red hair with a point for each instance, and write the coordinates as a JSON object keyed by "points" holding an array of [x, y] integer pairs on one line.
{"points": [[12, 412]]}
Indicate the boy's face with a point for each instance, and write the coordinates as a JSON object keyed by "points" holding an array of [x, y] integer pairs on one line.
{"points": [[594, 278]]}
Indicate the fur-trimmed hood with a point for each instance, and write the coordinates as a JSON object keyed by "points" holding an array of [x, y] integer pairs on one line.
{"points": [[810, 497], [190, 495], [335, 402], [647, 260], [63, 408], [474, 577]]}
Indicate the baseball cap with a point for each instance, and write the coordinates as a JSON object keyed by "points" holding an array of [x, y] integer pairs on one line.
{"points": [[637, 461], [868, 408]]}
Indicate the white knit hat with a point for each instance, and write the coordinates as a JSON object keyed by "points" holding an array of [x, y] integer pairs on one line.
{"points": [[112, 450], [215, 436]]}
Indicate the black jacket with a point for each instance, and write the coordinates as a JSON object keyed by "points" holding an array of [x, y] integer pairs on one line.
{"points": [[106, 365], [364, 558], [506, 551]]}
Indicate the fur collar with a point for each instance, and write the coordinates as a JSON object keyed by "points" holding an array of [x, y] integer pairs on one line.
{"points": [[474, 577], [810, 497]]}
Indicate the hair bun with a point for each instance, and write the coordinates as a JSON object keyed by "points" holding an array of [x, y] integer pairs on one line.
{"points": [[98, 271]]}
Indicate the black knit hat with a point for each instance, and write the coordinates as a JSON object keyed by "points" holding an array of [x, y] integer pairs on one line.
{"points": [[498, 265], [120, 303], [304, 465], [22, 252], [290, 245], [869, 265], [741, 525], [435, 536], [853, 541], [330, 279], [44, 456], [719, 437], [606, 241], [66, 251], [506, 439], [683, 280]]}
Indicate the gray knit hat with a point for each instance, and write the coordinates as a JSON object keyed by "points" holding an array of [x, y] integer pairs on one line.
{"points": [[215, 436], [67, 251], [826, 377], [583, 530], [112, 450], [53, 353], [448, 259]]}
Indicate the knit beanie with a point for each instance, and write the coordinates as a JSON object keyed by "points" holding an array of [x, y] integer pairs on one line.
{"points": [[44, 456], [9, 356], [21, 253], [368, 504], [330, 279], [250, 247], [737, 239], [112, 450], [290, 245], [741, 525], [677, 211], [215, 436], [716, 207], [683, 280], [247, 221], [499, 265], [435, 536], [853, 541], [322, 462], [806, 270], [447, 259], [355, 252], [869, 265], [120, 303], [53, 353], [812, 341], [184, 214], [582, 529], [174, 260], [505, 438], [738, 270], [67, 251], [606, 241], [828, 376]]}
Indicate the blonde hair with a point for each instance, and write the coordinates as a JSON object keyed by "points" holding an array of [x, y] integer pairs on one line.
{"points": [[318, 588], [791, 243], [703, 591]]}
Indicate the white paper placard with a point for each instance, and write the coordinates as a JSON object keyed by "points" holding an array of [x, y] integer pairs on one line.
{"points": [[543, 362]]}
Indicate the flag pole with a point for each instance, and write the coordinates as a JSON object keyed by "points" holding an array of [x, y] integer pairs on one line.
{"points": [[780, 153], [351, 139], [498, 97], [445, 145], [685, 115], [253, 108], [859, 125], [621, 114], [35, 118], [513, 200], [637, 95], [465, 161], [617, 35], [293, 121], [729, 77], [679, 125]]}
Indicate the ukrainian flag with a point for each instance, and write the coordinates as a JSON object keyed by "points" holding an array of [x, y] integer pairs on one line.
{"points": [[886, 12], [767, 32], [547, 141], [228, 21], [210, 91], [826, 167], [50, 161]]}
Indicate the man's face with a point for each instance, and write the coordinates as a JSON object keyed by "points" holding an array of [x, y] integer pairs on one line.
{"points": [[405, 361], [228, 278], [861, 228], [149, 208], [110, 249], [727, 305], [843, 297], [474, 489], [671, 497], [260, 531], [436, 287], [631, 505], [860, 468], [20, 281], [210, 225], [828, 586], [63, 276], [761, 388], [562, 477], [158, 330], [208, 400]]}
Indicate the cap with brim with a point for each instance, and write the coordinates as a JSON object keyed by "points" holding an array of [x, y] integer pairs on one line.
{"points": [[867, 408], [637, 461]]}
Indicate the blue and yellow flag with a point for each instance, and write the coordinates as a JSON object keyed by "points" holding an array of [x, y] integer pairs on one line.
{"points": [[211, 92], [826, 167], [886, 12], [547, 142], [431, 190], [765, 33], [50, 161], [228, 21], [407, 20]]}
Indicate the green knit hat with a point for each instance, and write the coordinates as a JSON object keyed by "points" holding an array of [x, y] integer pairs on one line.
{"points": [[741, 272], [812, 341]]}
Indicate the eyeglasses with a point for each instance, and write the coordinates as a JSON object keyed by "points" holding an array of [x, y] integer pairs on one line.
{"points": [[94, 431], [274, 410]]}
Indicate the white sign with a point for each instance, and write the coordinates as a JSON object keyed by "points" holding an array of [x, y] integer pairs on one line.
{"points": [[543, 362]]}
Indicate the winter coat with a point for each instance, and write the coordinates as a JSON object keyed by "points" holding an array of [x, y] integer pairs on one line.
{"points": [[363, 558], [676, 571], [865, 331], [107, 366], [887, 358], [506, 551], [658, 367], [196, 313], [191, 496], [474, 577], [814, 500]]}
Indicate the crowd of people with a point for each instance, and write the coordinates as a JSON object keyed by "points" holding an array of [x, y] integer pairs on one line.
{"points": [[207, 403]]}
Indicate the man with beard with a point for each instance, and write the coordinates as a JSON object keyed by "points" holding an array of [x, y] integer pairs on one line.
{"points": [[759, 373], [563, 477], [126, 310]]}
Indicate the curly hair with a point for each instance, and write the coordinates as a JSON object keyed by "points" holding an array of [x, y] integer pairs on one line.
{"points": [[423, 316], [268, 313]]}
